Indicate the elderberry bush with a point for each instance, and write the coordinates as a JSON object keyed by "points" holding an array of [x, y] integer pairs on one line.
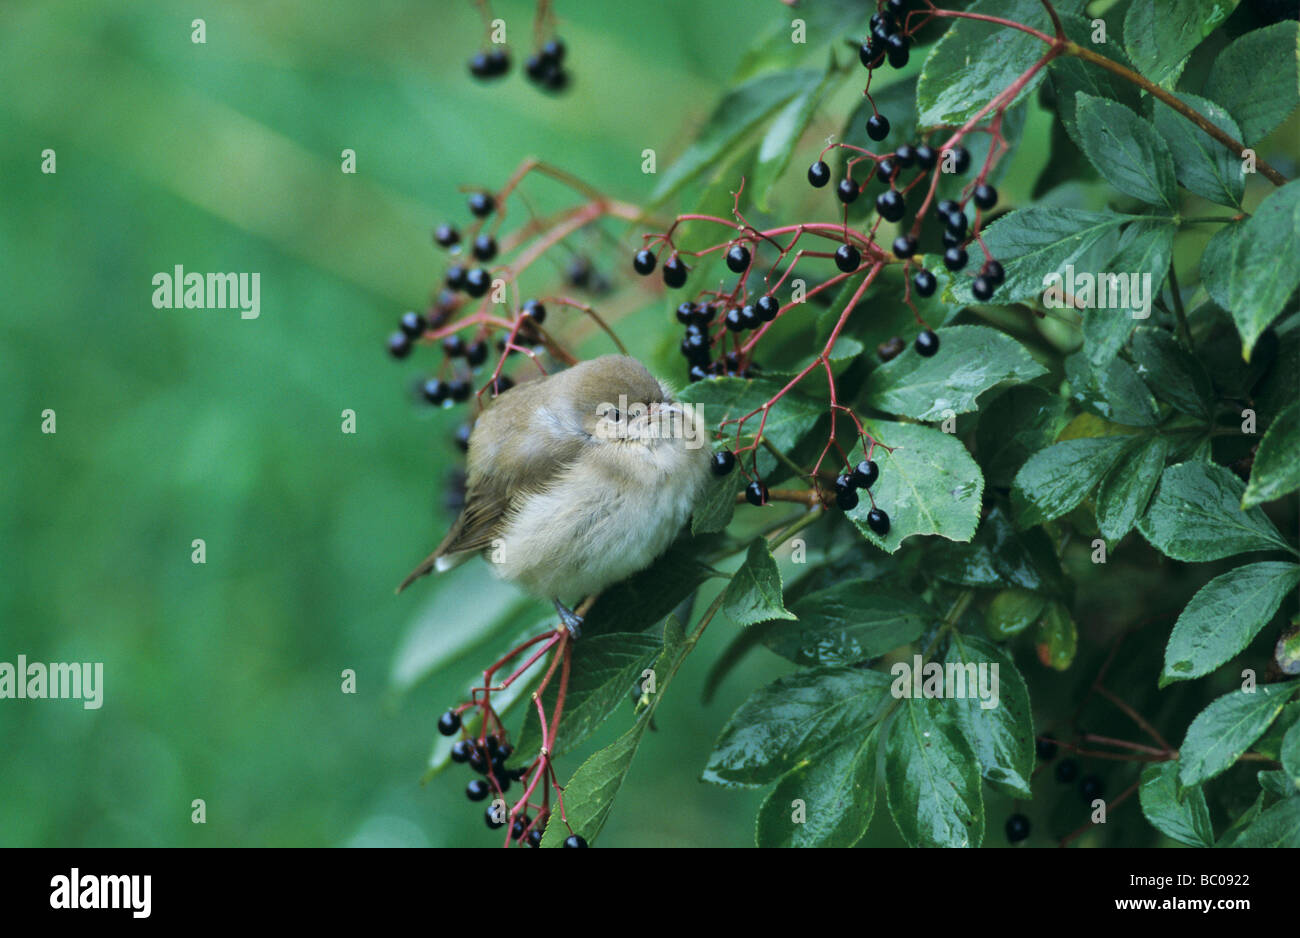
{"points": [[992, 319]]}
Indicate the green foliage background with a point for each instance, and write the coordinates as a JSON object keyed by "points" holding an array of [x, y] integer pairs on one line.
{"points": [[222, 681]]}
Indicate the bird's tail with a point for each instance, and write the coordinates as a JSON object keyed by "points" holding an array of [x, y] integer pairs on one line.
{"points": [[436, 561]]}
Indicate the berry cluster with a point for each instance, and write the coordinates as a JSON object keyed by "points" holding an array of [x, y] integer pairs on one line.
{"points": [[545, 67]]}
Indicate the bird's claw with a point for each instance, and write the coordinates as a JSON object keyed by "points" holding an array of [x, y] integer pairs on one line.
{"points": [[572, 621]]}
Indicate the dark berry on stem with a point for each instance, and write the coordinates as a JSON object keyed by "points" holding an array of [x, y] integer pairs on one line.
{"points": [[686, 313], [537, 68], [954, 258], [846, 499], [553, 50], [534, 838], [738, 258], [462, 436], [905, 155], [704, 313], [749, 318], [986, 196], [1090, 787], [878, 521], [492, 816], [847, 190], [733, 320], [847, 258], [579, 272], [412, 323], [460, 391], [1067, 770], [477, 789], [453, 346], [534, 311], [460, 751], [994, 272], [951, 239], [947, 207], [449, 723], [926, 157], [924, 282], [446, 235], [1017, 828], [456, 277], [724, 460], [819, 174], [898, 46], [890, 205], [479, 66], [696, 373], [877, 127], [1046, 749], [869, 52], [644, 262], [981, 289], [865, 473], [927, 342], [574, 840], [481, 204], [476, 353], [756, 493], [768, 306], [887, 169], [960, 159], [498, 61], [955, 221], [904, 246], [675, 272], [435, 391], [485, 247]]}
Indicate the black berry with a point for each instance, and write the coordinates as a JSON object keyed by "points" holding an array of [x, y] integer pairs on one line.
{"points": [[986, 196], [819, 174], [534, 311], [924, 282], [955, 221], [460, 391], [927, 342], [724, 460], [878, 521], [477, 789], [733, 320], [877, 127], [869, 53], [897, 46], [981, 289], [847, 258], [846, 499], [1067, 770], [1046, 749], [579, 272], [905, 155], [534, 838], [890, 205], [865, 474], [574, 840], [954, 258], [644, 262], [756, 493], [887, 169], [768, 306], [1017, 828], [460, 750], [960, 159], [412, 323], [462, 436], [926, 157], [675, 272], [749, 318], [1090, 787], [493, 817], [738, 259], [399, 345], [476, 353], [435, 391], [686, 313], [904, 246], [456, 277], [994, 272], [453, 346], [847, 190], [481, 204], [446, 235]]}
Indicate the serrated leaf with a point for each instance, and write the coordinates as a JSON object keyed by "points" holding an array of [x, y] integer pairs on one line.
{"points": [[1185, 819], [1018, 423], [717, 503], [1224, 616], [1240, 266], [645, 598], [835, 795], [1124, 493], [1290, 755], [1226, 728], [1202, 164], [754, 593], [1001, 557], [590, 792], [1126, 150], [1172, 374], [932, 778], [1038, 242], [739, 112], [849, 623], [1113, 391], [783, 132], [1278, 826], [929, 484], [732, 398], [1259, 96], [1139, 268], [1196, 515], [975, 60], [794, 719], [1055, 480], [1001, 736], [1160, 34], [1276, 471], [1071, 75], [970, 361]]}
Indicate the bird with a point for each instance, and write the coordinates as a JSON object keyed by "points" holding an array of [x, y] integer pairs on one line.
{"points": [[577, 480]]}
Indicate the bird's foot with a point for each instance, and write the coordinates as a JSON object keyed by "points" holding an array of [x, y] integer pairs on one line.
{"points": [[572, 621]]}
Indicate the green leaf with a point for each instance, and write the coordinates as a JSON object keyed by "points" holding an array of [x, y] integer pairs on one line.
{"points": [[732, 398], [1172, 374], [1001, 736], [1226, 728], [835, 795], [740, 111], [590, 793], [1291, 755], [1018, 423], [849, 623], [1071, 75], [1012, 611], [1123, 495], [1224, 616], [929, 484], [932, 777], [1196, 515], [972, 359], [645, 598], [975, 60], [1142, 261], [1240, 266], [1161, 34], [783, 132], [1055, 480], [1257, 79], [1185, 819], [717, 503], [1001, 557], [1057, 639], [1112, 390], [1276, 471], [1126, 150], [1202, 164], [794, 719], [1278, 826], [1037, 242], [754, 593]]}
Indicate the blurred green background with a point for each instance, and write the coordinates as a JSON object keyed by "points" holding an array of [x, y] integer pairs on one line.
{"points": [[222, 681]]}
